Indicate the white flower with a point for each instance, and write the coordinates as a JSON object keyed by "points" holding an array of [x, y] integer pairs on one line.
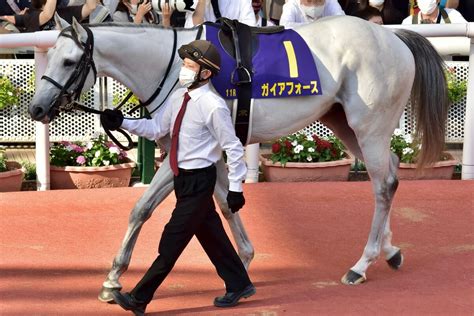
{"points": [[311, 149], [106, 162], [398, 132], [97, 154], [309, 158], [298, 149], [89, 145], [69, 148], [407, 151], [10, 93], [294, 143], [408, 138], [114, 150], [309, 138]]}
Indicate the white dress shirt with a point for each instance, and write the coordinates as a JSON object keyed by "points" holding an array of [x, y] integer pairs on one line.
{"points": [[241, 10], [453, 14], [206, 129], [292, 14]]}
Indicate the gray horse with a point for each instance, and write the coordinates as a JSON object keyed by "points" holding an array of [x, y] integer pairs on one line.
{"points": [[368, 74]]}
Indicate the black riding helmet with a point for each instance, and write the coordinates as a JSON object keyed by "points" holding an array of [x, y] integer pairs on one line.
{"points": [[204, 53]]}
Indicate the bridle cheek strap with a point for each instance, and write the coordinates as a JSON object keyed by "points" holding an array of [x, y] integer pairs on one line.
{"points": [[79, 75], [81, 71]]}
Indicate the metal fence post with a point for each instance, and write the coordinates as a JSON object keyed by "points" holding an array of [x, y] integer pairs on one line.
{"points": [[146, 156], [42, 130]]}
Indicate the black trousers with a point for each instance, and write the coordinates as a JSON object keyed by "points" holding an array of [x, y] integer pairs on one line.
{"points": [[195, 214]]}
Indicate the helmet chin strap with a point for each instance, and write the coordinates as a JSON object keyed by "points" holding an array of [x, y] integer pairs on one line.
{"points": [[199, 81]]}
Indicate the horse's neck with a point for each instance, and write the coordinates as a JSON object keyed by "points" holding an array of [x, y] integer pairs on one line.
{"points": [[137, 57]]}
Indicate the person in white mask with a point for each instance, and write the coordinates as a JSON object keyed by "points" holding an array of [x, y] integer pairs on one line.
{"points": [[211, 10], [299, 12], [431, 13], [200, 126]]}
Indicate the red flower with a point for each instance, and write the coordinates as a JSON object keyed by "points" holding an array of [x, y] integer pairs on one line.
{"points": [[276, 148], [324, 144], [288, 144]]}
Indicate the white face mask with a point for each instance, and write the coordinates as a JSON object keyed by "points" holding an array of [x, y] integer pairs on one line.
{"points": [[187, 77], [427, 6], [313, 12], [134, 8], [376, 3]]}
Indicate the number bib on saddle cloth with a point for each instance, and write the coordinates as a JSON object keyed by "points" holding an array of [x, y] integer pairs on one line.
{"points": [[283, 66]]}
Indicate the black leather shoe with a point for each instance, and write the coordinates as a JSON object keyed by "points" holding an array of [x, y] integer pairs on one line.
{"points": [[129, 303], [232, 298]]}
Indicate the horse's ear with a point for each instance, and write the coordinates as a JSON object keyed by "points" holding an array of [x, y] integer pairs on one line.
{"points": [[79, 30], [60, 23]]}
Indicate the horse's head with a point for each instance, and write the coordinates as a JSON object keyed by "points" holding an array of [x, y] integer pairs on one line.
{"points": [[70, 70]]}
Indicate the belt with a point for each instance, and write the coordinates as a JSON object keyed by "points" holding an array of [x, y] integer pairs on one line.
{"points": [[194, 171]]}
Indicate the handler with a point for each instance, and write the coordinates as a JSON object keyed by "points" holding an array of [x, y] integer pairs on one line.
{"points": [[200, 122]]}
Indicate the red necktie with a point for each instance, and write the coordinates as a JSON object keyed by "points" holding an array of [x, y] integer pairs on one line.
{"points": [[175, 135]]}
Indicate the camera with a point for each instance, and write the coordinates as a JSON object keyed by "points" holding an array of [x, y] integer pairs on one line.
{"points": [[175, 5]]}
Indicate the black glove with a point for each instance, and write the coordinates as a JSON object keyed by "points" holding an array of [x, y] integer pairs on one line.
{"points": [[111, 119], [235, 200]]}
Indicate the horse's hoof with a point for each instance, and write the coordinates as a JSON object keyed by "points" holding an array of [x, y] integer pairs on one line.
{"points": [[396, 261], [353, 278], [105, 295]]}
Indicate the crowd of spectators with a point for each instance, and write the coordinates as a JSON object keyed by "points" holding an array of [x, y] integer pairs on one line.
{"points": [[35, 15]]}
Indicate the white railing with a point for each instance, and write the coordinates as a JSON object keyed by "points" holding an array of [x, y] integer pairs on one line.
{"points": [[42, 40], [456, 30]]}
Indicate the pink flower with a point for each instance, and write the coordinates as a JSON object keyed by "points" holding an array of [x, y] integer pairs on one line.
{"points": [[77, 148], [81, 160]]}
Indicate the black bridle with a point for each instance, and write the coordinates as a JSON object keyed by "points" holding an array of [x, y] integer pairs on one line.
{"points": [[67, 99], [79, 74]]}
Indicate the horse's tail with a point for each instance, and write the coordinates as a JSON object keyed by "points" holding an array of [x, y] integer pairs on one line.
{"points": [[429, 96]]}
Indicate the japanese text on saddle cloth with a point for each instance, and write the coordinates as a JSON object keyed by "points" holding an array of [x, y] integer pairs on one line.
{"points": [[283, 66]]}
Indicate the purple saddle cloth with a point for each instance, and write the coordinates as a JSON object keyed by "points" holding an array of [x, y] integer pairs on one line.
{"points": [[283, 66]]}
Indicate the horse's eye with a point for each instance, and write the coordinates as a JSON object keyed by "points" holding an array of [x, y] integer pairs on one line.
{"points": [[68, 63]]}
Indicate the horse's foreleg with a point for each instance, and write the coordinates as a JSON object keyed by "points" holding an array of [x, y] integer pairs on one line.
{"points": [[160, 187], [385, 183], [244, 246]]}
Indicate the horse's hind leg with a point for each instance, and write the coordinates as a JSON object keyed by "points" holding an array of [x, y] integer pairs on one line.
{"points": [[377, 157], [393, 254], [244, 246], [383, 173], [160, 187]]}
